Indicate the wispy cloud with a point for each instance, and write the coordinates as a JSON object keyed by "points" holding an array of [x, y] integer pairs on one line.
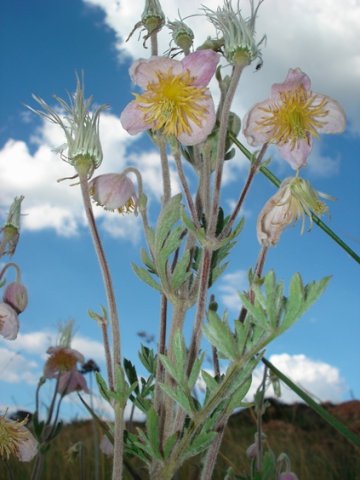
{"points": [[229, 288]]}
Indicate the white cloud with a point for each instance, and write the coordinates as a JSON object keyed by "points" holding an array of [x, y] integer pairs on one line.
{"points": [[15, 368], [319, 379], [229, 288], [320, 37], [58, 206]]}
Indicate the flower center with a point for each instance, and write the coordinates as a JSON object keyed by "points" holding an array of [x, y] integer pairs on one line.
{"points": [[61, 361], [295, 117], [173, 102]]}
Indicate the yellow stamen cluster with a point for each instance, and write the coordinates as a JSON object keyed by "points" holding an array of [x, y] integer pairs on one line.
{"points": [[11, 435], [172, 102], [129, 207], [61, 361], [294, 117]]}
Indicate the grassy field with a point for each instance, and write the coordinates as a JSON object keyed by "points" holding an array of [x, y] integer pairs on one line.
{"points": [[317, 452]]}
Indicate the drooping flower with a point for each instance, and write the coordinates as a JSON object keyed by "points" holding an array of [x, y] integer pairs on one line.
{"points": [[114, 191], [16, 296], [61, 360], [71, 381], [176, 100], [11, 229], [9, 322], [82, 148], [291, 117], [16, 439], [240, 46], [106, 446], [295, 199]]}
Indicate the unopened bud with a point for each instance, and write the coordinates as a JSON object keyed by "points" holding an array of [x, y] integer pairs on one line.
{"points": [[11, 229], [16, 296], [153, 18], [182, 35]]}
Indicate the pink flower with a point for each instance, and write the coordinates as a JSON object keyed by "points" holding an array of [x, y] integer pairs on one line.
{"points": [[62, 359], [72, 381], [16, 439], [9, 322], [291, 117], [288, 476], [176, 99], [16, 296], [113, 191], [106, 446]]}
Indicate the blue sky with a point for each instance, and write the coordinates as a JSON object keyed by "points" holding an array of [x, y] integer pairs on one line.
{"points": [[43, 45]]}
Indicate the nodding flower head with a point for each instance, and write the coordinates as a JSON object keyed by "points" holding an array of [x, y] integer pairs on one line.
{"points": [[114, 191], [295, 199], [240, 46], [61, 360], [9, 322], [82, 148]]}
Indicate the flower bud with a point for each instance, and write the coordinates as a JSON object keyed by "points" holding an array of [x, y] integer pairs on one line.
{"points": [[113, 191], [11, 229], [9, 322], [16, 296], [182, 35], [153, 18]]}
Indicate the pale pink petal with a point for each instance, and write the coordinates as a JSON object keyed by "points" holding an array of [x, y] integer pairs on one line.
{"points": [[28, 448], [144, 71], [106, 446], [295, 79], [111, 190], [67, 351], [296, 156], [335, 120], [133, 119], [200, 133], [256, 134], [72, 381], [9, 322], [202, 65]]}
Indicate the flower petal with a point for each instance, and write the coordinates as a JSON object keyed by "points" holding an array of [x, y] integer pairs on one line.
{"points": [[255, 134], [295, 79], [202, 65], [144, 71], [335, 120], [199, 133], [296, 155], [133, 119], [27, 448], [9, 322], [72, 381]]}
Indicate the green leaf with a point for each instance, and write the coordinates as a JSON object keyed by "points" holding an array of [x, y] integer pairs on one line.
{"points": [[219, 334], [147, 261], [148, 359], [169, 444], [179, 396], [152, 430], [105, 392], [145, 276], [169, 215], [171, 369], [195, 371], [200, 443], [181, 271]]}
